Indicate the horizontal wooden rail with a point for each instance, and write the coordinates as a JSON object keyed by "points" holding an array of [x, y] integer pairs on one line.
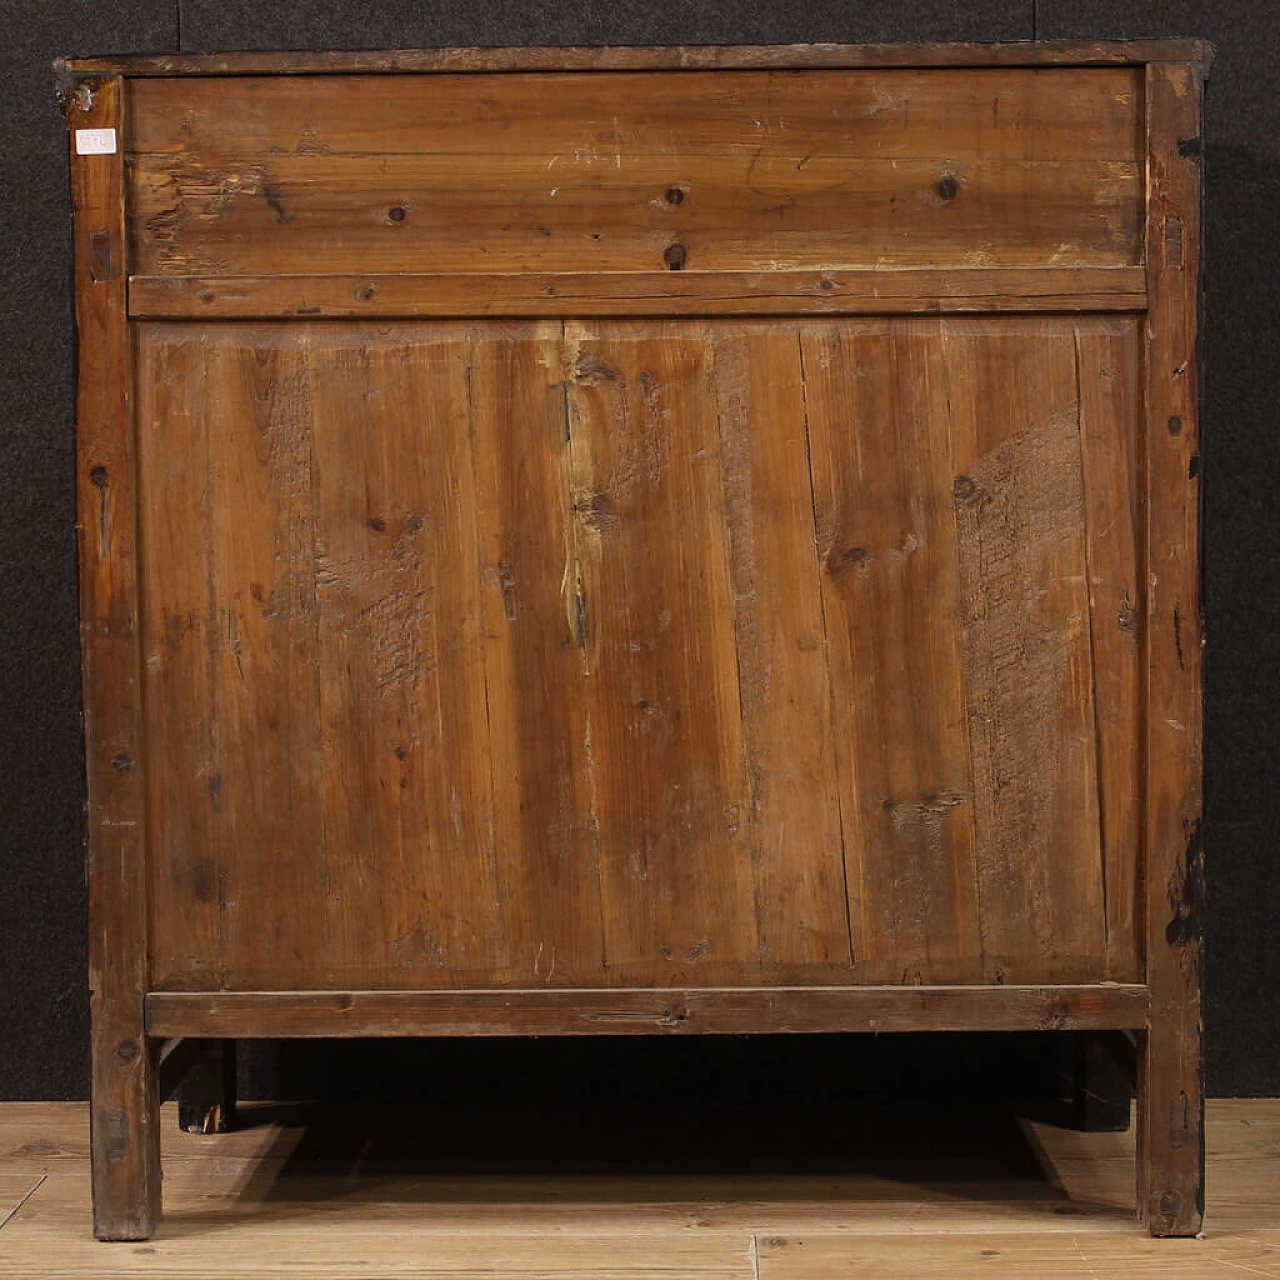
{"points": [[623, 58], [637, 293], [724, 1010]]}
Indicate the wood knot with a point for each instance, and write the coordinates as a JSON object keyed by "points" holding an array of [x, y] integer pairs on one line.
{"points": [[676, 256], [590, 368], [948, 188], [675, 195], [98, 476], [841, 563]]}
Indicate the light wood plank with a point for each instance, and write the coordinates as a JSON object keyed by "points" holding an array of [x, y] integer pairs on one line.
{"points": [[1013, 404], [609, 172], [893, 113], [881, 469], [651, 602], [791, 818], [687, 292], [547, 844], [1108, 386], [1046, 1257], [585, 208], [403, 707]]}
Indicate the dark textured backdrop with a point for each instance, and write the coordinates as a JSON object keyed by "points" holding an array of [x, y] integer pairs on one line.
{"points": [[43, 1005]]}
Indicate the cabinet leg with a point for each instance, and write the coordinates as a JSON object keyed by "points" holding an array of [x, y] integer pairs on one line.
{"points": [[1170, 1133], [207, 1094], [124, 1128]]}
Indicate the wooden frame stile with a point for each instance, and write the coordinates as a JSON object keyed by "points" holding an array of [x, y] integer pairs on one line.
{"points": [[125, 1098], [1170, 1093]]}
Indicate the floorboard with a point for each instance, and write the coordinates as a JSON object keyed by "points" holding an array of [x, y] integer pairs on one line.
{"points": [[300, 1191]]}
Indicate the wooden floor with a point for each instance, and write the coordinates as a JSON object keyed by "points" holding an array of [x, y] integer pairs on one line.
{"points": [[304, 1193]]}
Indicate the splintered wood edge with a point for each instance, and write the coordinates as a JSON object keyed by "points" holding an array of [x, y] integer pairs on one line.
{"points": [[651, 58], [645, 1011]]}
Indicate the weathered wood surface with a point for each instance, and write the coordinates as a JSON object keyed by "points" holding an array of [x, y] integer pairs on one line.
{"points": [[953, 538], [1171, 1096], [664, 568], [622, 651], [309, 1193], [126, 1162], [711, 171], [664, 1010], [636, 293], [794, 57]]}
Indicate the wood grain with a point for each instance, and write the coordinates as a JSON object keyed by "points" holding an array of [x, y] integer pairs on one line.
{"points": [[1051, 1257], [793, 57], [651, 601], [126, 1165], [1171, 1089], [949, 483], [690, 543], [547, 840], [1019, 512], [738, 171], [791, 814], [665, 1010], [663, 293], [267, 1204], [887, 554], [1109, 380]]}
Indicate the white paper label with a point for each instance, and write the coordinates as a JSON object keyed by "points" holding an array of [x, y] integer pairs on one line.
{"points": [[95, 142]]}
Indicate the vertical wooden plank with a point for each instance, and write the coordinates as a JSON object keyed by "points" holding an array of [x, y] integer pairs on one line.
{"points": [[403, 702], [546, 839], [187, 881], [650, 601], [1170, 1097], [1018, 494], [1109, 363], [882, 479], [124, 1119], [261, 623], [792, 820]]}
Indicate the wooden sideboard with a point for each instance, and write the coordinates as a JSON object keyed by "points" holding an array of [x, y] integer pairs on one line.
{"points": [[641, 541]]}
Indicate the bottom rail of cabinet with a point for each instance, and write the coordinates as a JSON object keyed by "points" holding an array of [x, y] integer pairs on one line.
{"points": [[646, 1011]]}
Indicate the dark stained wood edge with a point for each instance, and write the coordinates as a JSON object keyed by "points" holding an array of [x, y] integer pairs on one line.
{"points": [[1171, 1096], [676, 57], [124, 1107], [721, 293], [643, 1011]]}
